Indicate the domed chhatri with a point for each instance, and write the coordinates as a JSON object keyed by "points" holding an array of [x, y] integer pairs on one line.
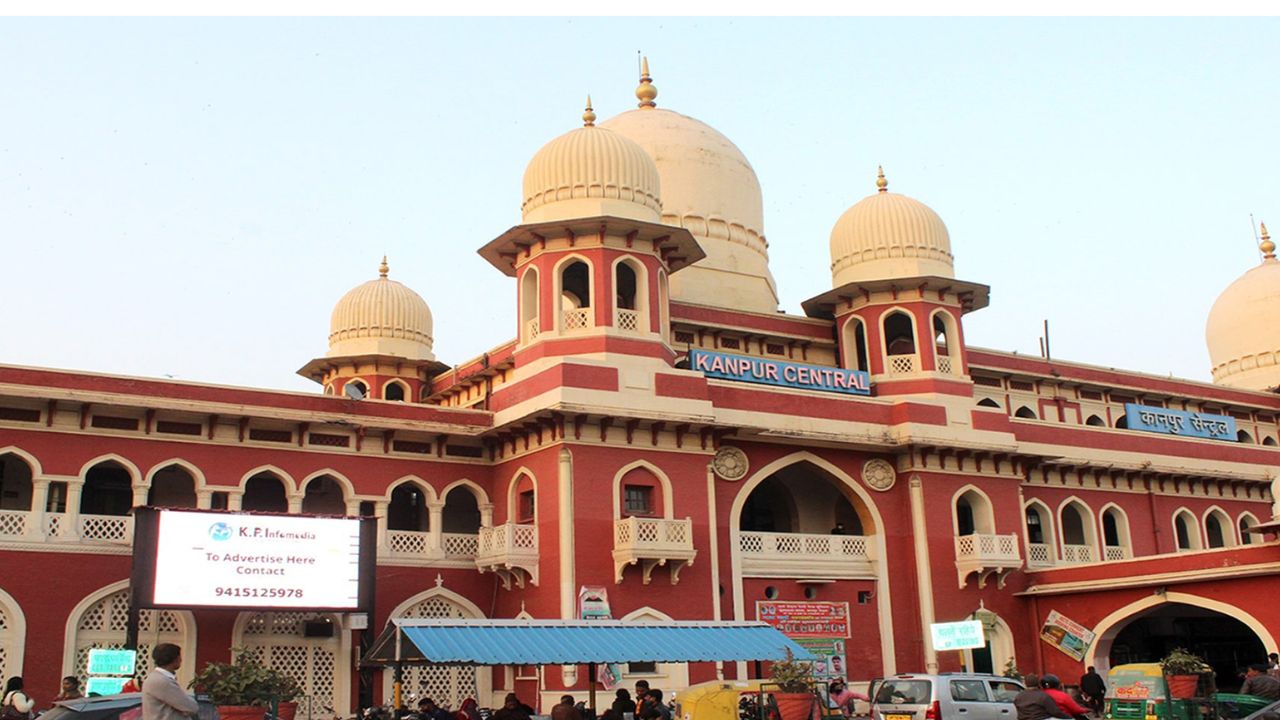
{"points": [[381, 317], [1242, 335], [710, 189], [591, 171], [887, 235]]}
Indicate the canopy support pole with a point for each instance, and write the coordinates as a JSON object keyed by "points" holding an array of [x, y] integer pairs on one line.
{"points": [[759, 670], [591, 685], [397, 686]]}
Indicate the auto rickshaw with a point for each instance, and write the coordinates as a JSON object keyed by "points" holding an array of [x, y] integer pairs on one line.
{"points": [[1139, 691]]}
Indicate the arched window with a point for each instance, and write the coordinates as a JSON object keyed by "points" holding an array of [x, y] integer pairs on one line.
{"points": [[359, 385], [973, 514], [854, 342], [524, 509], [1026, 413], [1122, 422], [630, 296], [408, 508], [1115, 534], [945, 343], [1185, 530], [988, 402], [328, 389], [804, 498], [394, 391], [1269, 441], [1095, 421], [1218, 530], [1077, 532], [1040, 535], [575, 296], [265, 492], [1246, 521], [664, 306], [324, 496], [15, 489], [108, 490], [1244, 436], [172, 486], [640, 494], [530, 325], [461, 511], [899, 334]]}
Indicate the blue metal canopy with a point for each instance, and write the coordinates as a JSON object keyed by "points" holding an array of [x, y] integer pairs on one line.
{"points": [[569, 642]]}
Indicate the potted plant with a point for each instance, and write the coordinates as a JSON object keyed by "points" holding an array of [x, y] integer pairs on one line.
{"points": [[244, 688], [795, 697], [1182, 670]]}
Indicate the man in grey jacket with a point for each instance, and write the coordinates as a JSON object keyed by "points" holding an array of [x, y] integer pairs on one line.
{"points": [[162, 697]]}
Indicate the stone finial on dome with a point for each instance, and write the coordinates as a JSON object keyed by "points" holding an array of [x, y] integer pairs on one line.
{"points": [[647, 92], [588, 115], [881, 182], [1267, 247], [383, 269]]}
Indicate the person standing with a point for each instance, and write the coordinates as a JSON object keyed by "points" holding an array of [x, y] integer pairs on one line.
{"points": [[841, 698], [70, 689], [1094, 689], [162, 697], [16, 704]]}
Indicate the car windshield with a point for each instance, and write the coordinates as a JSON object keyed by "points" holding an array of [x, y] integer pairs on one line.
{"points": [[903, 692]]}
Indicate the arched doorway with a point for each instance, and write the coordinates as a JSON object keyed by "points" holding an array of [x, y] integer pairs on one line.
{"points": [[305, 646], [100, 621], [1226, 637], [448, 685]]}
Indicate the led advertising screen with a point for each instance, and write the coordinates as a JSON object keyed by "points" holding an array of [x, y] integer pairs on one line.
{"points": [[236, 560]]}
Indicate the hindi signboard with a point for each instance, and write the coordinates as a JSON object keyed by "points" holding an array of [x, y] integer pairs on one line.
{"points": [[806, 619], [1066, 635], [104, 661], [767, 371], [1180, 422], [963, 635]]}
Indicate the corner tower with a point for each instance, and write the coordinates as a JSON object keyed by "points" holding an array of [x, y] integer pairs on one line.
{"points": [[591, 258], [896, 302], [710, 190]]}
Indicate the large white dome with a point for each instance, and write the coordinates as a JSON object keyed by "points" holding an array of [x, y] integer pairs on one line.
{"points": [[887, 235], [710, 189], [1242, 334]]}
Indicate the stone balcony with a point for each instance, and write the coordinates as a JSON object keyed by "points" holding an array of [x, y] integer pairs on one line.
{"points": [[804, 555], [427, 548], [986, 556], [511, 551], [652, 542], [28, 530]]}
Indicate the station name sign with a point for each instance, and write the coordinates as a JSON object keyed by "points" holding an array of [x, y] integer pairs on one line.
{"points": [[780, 373], [1180, 422]]}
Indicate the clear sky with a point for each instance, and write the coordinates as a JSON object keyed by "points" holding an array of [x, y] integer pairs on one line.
{"points": [[190, 197]]}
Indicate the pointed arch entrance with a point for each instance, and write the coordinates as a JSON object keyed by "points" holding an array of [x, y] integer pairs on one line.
{"points": [[1143, 631], [100, 620], [448, 685]]}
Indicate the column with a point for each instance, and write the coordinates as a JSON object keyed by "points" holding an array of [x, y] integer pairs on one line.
{"points": [[924, 581], [564, 523], [140, 493], [713, 530], [204, 499], [72, 529], [486, 514], [295, 503], [353, 508], [235, 500], [380, 511], [435, 528], [39, 501]]}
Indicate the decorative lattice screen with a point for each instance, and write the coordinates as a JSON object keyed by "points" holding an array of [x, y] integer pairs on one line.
{"points": [[447, 685], [276, 639], [103, 626]]}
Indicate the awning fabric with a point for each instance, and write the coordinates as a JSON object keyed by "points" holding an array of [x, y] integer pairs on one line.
{"points": [[570, 642]]}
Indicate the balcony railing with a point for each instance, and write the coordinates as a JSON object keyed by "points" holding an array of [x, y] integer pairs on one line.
{"points": [[531, 330], [14, 523], [1115, 552], [511, 550], [462, 546], [652, 542], [986, 555], [1075, 554], [407, 543], [421, 546], [115, 529], [576, 319], [1039, 555], [627, 320], [903, 364], [806, 555], [944, 364]]}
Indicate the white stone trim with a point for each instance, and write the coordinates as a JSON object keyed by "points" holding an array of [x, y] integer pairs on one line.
{"points": [[668, 500], [988, 511], [290, 486], [15, 644], [36, 469]]}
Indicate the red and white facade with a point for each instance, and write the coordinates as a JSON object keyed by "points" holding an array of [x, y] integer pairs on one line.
{"points": [[971, 482]]}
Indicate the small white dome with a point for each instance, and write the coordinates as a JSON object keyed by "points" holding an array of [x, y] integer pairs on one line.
{"points": [[591, 171], [887, 235], [381, 317], [1241, 333]]}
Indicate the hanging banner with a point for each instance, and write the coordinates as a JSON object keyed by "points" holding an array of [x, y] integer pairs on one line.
{"points": [[593, 604], [831, 661], [806, 619], [1068, 636]]}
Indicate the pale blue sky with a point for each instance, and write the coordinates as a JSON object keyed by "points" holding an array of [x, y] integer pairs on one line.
{"points": [[191, 197]]}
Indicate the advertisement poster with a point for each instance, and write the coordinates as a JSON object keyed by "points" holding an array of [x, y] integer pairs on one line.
{"points": [[806, 619], [831, 660], [1066, 635]]}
